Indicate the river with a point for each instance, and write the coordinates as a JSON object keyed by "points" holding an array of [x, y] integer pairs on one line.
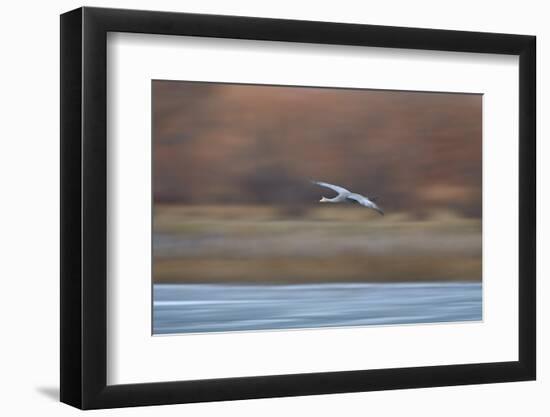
{"points": [[199, 308]]}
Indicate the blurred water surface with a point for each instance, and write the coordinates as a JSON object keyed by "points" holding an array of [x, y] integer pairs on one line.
{"points": [[197, 308]]}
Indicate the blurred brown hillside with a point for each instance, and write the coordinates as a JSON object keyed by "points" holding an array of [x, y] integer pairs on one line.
{"points": [[244, 144]]}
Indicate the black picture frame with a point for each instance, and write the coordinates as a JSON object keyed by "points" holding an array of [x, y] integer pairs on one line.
{"points": [[84, 207]]}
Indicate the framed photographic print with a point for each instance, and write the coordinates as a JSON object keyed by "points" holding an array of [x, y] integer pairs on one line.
{"points": [[258, 208]]}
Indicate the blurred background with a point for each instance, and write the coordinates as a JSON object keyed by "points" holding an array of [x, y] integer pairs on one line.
{"points": [[233, 201]]}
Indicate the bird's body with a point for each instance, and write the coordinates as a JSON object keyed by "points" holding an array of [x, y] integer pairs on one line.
{"points": [[345, 195]]}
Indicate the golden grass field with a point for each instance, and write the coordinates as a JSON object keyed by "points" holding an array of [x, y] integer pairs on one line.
{"points": [[321, 243]]}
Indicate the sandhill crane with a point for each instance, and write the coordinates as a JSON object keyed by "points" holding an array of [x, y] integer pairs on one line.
{"points": [[346, 195]]}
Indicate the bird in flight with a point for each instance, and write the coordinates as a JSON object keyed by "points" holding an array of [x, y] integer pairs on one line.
{"points": [[347, 196]]}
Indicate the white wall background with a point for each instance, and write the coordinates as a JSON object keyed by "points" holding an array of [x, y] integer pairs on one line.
{"points": [[29, 176]]}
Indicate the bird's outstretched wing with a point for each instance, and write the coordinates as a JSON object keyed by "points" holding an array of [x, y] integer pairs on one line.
{"points": [[364, 201], [338, 189]]}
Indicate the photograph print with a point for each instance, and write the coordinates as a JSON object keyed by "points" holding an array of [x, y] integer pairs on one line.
{"points": [[290, 207]]}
